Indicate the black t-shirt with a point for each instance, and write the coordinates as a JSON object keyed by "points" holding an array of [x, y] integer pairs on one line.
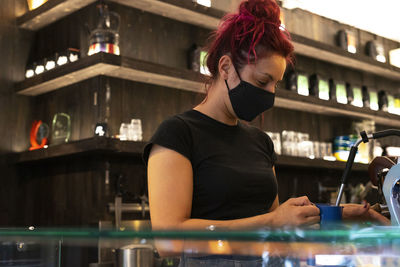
{"points": [[232, 165]]}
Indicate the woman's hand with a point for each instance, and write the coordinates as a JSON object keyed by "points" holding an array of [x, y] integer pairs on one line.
{"points": [[296, 211], [358, 212]]}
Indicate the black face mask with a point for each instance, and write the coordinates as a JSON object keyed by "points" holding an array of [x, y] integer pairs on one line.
{"points": [[248, 101]]}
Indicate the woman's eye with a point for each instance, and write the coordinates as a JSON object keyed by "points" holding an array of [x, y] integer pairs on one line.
{"points": [[262, 83]]}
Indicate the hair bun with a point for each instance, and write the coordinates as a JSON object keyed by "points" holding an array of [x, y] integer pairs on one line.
{"points": [[265, 10]]}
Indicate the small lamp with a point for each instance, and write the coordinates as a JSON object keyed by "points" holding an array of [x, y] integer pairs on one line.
{"points": [[206, 3], [49, 63], [73, 54], [30, 71], [376, 51], [62, 58], [100, 129], [32, 4], [39, 68]]}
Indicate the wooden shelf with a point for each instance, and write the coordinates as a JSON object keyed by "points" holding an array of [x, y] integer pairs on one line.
{"points": [[92, 146], [185, 11], [209, 18], [298, 162], [104, 145], [292, 100], [50, 12], [192, 13], [332, 54], [113, 66], [151, 73]]}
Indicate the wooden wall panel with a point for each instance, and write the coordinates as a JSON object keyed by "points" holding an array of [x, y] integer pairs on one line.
{"points": [[142, 36], [77, 101], [152, 104]]}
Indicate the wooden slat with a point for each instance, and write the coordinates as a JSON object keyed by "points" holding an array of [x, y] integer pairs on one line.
{"points": [[97, 145], [93, 145], [291, 100], [173, 11], [209, 18], [50, 12], [146, 72], [111, 65], [284, 160], [314, 49]]}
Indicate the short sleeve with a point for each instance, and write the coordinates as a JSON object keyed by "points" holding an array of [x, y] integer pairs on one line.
{"points": [[174, 134], [271, 150]]}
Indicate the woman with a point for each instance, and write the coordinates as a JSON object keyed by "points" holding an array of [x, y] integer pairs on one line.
{"points": [[205, 167]]}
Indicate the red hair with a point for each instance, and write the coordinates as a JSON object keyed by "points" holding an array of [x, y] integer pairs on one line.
{"points": [[253, 32]]}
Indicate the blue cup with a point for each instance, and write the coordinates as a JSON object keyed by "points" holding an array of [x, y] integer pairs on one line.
{"points": [[330, 214]]}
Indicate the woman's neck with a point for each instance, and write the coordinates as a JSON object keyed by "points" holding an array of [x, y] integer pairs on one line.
{"points": [[214, 106]]}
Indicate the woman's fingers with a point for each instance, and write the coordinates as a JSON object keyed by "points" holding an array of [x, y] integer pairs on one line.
{"points": [[311, 220], [300, 201]]}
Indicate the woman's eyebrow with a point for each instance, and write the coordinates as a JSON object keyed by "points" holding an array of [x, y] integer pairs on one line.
{"points": [[270, 76]]}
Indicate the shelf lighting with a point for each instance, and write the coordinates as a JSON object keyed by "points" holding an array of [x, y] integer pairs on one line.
{"points": [[206, 3], [30, 72], [357, 97], [203, 63], [302, 85], [347, 40], [73, 54], [39, 68], [394, 57], [50, 63], [341, 94], [373, 100], [33, 4], [62, 59], [282, 19], [323, 89], [376, 51]]}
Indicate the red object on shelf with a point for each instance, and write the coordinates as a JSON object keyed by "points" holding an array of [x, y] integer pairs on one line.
{"points": [[34, 131]]}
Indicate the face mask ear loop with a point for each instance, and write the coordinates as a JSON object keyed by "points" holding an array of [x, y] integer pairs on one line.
{"points": [[227, 87], [237, 75]]}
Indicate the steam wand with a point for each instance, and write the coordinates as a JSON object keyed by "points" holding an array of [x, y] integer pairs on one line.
{"points": [[353, 151]]}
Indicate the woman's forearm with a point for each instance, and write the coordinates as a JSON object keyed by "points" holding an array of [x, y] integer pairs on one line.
{"points": [[237, 224]]}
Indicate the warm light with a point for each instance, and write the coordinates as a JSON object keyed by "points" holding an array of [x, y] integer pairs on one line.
{"points": [[302, 85], [62, 60], [203, 64], [29, 73], [323, 90], [333, 260], [381, 58], [73, 57], [206, 3], [357, 97], [392, 151], [394, 56], [329, 158], [39, 69], [32, 4], [341, 94], [100, 131], [352, 49], [373, 100], [50, 65]]}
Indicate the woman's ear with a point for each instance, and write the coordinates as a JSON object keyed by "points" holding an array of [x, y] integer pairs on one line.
{"points": [[224, 65]]}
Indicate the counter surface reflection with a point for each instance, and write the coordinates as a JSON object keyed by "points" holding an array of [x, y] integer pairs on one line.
{"points": [[350, 245]]}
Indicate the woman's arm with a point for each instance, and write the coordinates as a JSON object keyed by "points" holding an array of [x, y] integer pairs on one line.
{"points": [[170, 181]]}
